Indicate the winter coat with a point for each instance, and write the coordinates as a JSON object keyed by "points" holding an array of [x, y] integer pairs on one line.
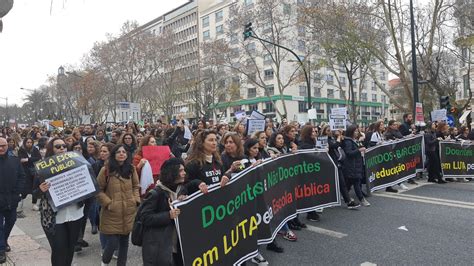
{"points": [[159, 228], [354, 163], [405, 129], [119, 198], [177, 143], [303, 145], [430, 141], [29, 168], [12, 180], [391, 134]]}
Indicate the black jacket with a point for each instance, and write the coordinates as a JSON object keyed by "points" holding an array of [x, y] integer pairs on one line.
{"points": [[29, 168], [304, 145], [333, 145], [12, 178], [391, 134], [209, 173], [430, 141], [177, 143], [405, 129], [157, 248], [354, 163], [228, 160]]}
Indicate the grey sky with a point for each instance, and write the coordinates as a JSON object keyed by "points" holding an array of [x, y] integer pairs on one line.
{"points": [[34, 43]]}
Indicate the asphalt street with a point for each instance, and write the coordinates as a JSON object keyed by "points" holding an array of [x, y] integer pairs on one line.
{"points": [[430, 224]]}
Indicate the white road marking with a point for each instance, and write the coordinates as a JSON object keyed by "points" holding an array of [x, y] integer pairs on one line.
{"points": [[435, 201], [325, 231], [368, 264], [438, 199]]}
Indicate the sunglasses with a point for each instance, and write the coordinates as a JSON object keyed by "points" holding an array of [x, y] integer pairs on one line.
{"points": [[59, 146]]}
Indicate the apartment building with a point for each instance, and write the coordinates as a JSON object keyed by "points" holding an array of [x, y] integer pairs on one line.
{"points": [[328, 89], [465, 21]]}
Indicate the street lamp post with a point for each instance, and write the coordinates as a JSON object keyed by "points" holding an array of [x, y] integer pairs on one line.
{"points": [[249, 33], [6, 111], [413, 60]]}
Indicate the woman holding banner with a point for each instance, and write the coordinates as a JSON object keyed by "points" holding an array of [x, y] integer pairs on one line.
{"points": [[119, 197], [61, 227], [233, 151]]}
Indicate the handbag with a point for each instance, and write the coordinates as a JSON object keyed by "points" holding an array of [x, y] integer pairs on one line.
{"points": [[138, 228]]}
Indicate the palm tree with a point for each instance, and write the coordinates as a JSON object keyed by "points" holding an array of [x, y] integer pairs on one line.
{"points": [[36, 100]]}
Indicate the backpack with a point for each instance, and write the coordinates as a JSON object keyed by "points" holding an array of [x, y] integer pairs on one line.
{"points": [[137, 229]]}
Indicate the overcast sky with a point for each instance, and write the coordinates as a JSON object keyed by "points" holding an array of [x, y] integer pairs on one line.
{"points": [[35, 42]]}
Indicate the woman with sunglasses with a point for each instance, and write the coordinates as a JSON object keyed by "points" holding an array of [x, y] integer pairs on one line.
{"points": [[61, 227], [119, 196]]}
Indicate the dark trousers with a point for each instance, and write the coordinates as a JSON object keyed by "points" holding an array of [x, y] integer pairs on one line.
{"points": [[87, 206], [434, 165], [112, 243], [7, 221], [355, 182], [62, 242], [343, 187]]}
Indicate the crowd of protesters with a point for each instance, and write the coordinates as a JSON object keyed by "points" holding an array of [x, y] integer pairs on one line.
{"points": [[202, 154]]}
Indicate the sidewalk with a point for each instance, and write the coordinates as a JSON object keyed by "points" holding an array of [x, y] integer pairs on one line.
{"points": [[25, 250]]}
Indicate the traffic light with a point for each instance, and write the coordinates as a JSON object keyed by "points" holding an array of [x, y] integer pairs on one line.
{"points": [[444, 102], [248, 31]]}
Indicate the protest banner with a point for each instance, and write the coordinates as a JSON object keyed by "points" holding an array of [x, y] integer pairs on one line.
{"points": [[71, 178], [337, 122], [457, 159], [393, 162], [226, 225], [156, 156], [254, 125]]}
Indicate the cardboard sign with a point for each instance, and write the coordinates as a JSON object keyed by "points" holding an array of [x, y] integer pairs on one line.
{"points": [[254, 125], [156, 156], [312, 114], [257, 115], [337, 122], [438, 115], [240, 115], [322, 142]]}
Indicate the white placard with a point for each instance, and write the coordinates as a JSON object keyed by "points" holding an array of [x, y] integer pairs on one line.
{"points": [[184, 109], [239, 115], [187, 133], [439, 115], [337, 122], [322, 142], [257, 115], [70, 185], [312, 114], [254, 125], [339, 111]]}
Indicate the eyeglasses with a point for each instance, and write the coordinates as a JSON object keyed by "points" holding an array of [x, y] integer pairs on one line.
{"points": [[127, 138], [59, 146]]}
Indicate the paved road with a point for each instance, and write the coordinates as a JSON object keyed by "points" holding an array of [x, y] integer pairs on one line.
{"points": [[439, 222]]}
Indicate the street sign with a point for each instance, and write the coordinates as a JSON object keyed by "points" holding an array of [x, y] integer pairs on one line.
{"points": [[450, 120]]}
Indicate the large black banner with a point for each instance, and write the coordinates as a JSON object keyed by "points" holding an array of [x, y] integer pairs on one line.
{"points": [[393, 162], [457, 159], [226, 225], [71, 178]]}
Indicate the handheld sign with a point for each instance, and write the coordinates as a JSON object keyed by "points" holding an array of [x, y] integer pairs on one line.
{"points": [[156, 156], [70, 176], [254, 125]]}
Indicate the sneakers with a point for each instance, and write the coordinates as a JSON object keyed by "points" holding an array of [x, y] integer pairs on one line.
{"points": [[3, 257], [364, 202], [402, 186], [8, 248], [293, 226], [352, 205], [35, 207], [297, 222], [103, 264], [259, 260], [274, 247], [77, 248], [115, 255], [312, 216], [391, 189], [290, 236]]}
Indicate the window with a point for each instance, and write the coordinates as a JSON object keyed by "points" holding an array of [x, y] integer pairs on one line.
{"points": [[268, 74], [267, 59], [205, 21], [302, 90], [354, 82], [317, 92], [206, 35], [302, 107], [342, 68], [317, 78], [342, 80], [329, 79], [269, 90], [363, 97], [248, 2], [374, 86], [286, 9], [301, 45], [234, 38], [300, 2], [252, 93], [382, 75], [374, 97], [219, 15], [269, 108], [464, 56], [236, 81], [330, 93], [219, 30], [251, 47], [301, 31], [253, 107], [384, 99]]}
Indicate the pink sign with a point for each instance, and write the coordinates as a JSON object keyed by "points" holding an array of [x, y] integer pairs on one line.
{"points": [[156, 156]]}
